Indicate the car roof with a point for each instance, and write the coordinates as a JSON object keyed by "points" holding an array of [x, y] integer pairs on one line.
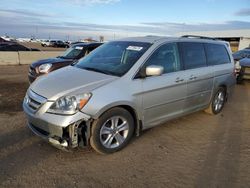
{"points": [[154, 39], [242, 50], [148, 39]]}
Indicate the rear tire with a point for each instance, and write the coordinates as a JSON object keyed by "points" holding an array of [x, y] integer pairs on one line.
{"points": [[112, 131], [218, 102]]}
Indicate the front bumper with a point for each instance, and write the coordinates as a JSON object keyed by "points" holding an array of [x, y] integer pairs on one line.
{"points": [[60, 130], [55, 141]]}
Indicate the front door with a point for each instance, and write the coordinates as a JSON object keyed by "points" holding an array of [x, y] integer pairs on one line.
{"points": [[163, 96]]}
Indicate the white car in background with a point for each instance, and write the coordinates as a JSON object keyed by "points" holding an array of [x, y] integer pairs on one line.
{"points": [[46, 43]]}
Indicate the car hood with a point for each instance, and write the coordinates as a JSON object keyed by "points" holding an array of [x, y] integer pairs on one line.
{"points": [[51, 60], [68, 81]]}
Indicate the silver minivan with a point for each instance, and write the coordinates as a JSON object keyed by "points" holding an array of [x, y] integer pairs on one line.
{"points": [[126, 86]]}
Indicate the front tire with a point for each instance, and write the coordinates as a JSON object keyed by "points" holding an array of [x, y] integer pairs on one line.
{"points": [[112, 131], [218, 102]]}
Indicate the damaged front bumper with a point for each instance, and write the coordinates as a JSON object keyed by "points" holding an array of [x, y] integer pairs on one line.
{"points": [[63, 132]]}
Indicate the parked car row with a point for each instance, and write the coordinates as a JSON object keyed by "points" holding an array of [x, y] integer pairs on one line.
{"points": [[55, 43], [126, 86]]}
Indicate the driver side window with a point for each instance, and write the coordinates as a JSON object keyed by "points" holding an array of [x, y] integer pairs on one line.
{"points": [[166, 56]]}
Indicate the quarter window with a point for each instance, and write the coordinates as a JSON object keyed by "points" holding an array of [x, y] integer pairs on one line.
{"points": [[216, 54], [166, 56], [193, 55]]}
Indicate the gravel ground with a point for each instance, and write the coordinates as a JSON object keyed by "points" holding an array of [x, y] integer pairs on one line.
{"points": [[197, 150]]}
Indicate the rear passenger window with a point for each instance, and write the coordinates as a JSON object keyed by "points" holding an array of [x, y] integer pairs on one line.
{"points": [[193, 55], [216, 54]]}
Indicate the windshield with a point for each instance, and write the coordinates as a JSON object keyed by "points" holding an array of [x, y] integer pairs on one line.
{"points": [[73, 52], [114, 58]]}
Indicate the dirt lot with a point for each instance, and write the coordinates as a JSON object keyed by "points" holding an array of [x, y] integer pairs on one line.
{"points": [[197, 150]]}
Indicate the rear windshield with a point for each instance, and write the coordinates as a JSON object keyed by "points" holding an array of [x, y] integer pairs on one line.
{"points": [[114, 58]]}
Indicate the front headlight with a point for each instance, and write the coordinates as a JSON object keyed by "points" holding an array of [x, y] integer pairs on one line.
{"points": [[44, 68], [69, 105]]}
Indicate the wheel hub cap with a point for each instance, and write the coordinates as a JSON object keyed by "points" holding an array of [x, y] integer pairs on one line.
{"points": [[219, 101], [114, 132]]}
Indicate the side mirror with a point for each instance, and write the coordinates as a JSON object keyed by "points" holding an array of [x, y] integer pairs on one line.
{"points": [[154, 70]]}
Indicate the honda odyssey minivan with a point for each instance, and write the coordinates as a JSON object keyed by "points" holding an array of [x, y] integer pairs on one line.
{"points": [[129, 85]]}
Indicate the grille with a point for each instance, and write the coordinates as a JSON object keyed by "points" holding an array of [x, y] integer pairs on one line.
{"points": [[35, 101], [34, 104]]}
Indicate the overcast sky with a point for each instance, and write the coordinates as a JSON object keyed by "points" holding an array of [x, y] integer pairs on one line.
{"points": [[119, 18]]}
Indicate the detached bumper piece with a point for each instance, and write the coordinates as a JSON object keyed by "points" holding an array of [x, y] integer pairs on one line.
{"points": [[75, 135]]}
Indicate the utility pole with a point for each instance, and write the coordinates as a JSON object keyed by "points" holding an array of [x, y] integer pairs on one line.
{"points": [[36, 32]]}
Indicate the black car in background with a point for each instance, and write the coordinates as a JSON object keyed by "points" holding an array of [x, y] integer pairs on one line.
{"points": [[55, 43], [72, 54], [244, 72], [13, 46], [239, 69], [61, 44], [241, 54]]}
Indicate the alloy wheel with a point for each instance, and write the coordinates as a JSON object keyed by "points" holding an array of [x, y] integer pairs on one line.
{"points": [[114, 132]]}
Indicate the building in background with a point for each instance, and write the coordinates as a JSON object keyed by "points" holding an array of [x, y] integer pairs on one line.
{"points": [[238, 39]]}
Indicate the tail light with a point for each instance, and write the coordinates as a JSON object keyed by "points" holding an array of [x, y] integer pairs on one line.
{"points": [[235, 72]]}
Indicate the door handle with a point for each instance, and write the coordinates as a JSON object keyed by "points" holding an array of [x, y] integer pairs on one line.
{"points": [[192, 77], [179, 80]]}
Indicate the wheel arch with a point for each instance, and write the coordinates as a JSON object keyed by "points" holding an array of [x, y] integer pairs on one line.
{"points": [[127, 106]]}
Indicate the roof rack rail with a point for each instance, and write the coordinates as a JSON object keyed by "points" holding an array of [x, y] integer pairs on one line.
{"points": [[200, 37]]}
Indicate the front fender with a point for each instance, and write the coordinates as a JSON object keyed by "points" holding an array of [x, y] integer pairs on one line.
{"points": [[112, 105]]}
